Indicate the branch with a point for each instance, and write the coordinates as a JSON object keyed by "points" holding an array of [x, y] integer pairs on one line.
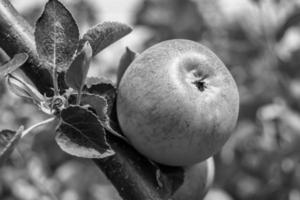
{"points": [[133, 175], [16, 36]]}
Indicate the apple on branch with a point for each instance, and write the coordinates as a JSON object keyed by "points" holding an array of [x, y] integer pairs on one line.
{"points": [[177, 103]]}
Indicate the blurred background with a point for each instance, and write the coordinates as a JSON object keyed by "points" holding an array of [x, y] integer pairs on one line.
{"points": [[258, 40]]}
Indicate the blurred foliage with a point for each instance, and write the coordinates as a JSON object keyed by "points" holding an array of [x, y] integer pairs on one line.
{"points": [[259, 42], [171, 19]]}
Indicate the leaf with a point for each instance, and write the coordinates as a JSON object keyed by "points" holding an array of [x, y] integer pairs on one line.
{"points": [[61, 81], [17, 61], [56, 36], [125, 61], [95, 80], [99, 104], [8, 140], [81, 134], [102, 87], [104, 34], [105, 88], [77, 72], [25, 90]]}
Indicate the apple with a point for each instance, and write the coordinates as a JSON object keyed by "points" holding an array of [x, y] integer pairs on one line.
{"points": [[177, 103], [198, 178]]}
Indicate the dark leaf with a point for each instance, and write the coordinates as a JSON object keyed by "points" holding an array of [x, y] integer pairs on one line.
{"points": [[56, 36], [81, 134], [61, 80], [100, 106], [17, 61], [76, 74], [102, 87], [125, 61], [104, 34], [8, 140]]}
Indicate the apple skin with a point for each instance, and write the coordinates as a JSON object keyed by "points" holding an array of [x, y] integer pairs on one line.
{"points": [[177, 103], [198, 178]]}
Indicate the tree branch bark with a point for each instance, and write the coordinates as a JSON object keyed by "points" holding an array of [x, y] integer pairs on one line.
{"points": [[132, 175], [16, 36]]}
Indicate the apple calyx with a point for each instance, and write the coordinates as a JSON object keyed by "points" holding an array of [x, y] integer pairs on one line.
{"points": [[201, 84]]}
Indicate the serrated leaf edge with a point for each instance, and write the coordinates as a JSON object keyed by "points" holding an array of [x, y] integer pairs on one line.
{"points": [[106, 123], [110, 151]]}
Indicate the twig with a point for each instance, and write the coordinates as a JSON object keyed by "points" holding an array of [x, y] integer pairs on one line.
{"points": [[28, 130]]}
